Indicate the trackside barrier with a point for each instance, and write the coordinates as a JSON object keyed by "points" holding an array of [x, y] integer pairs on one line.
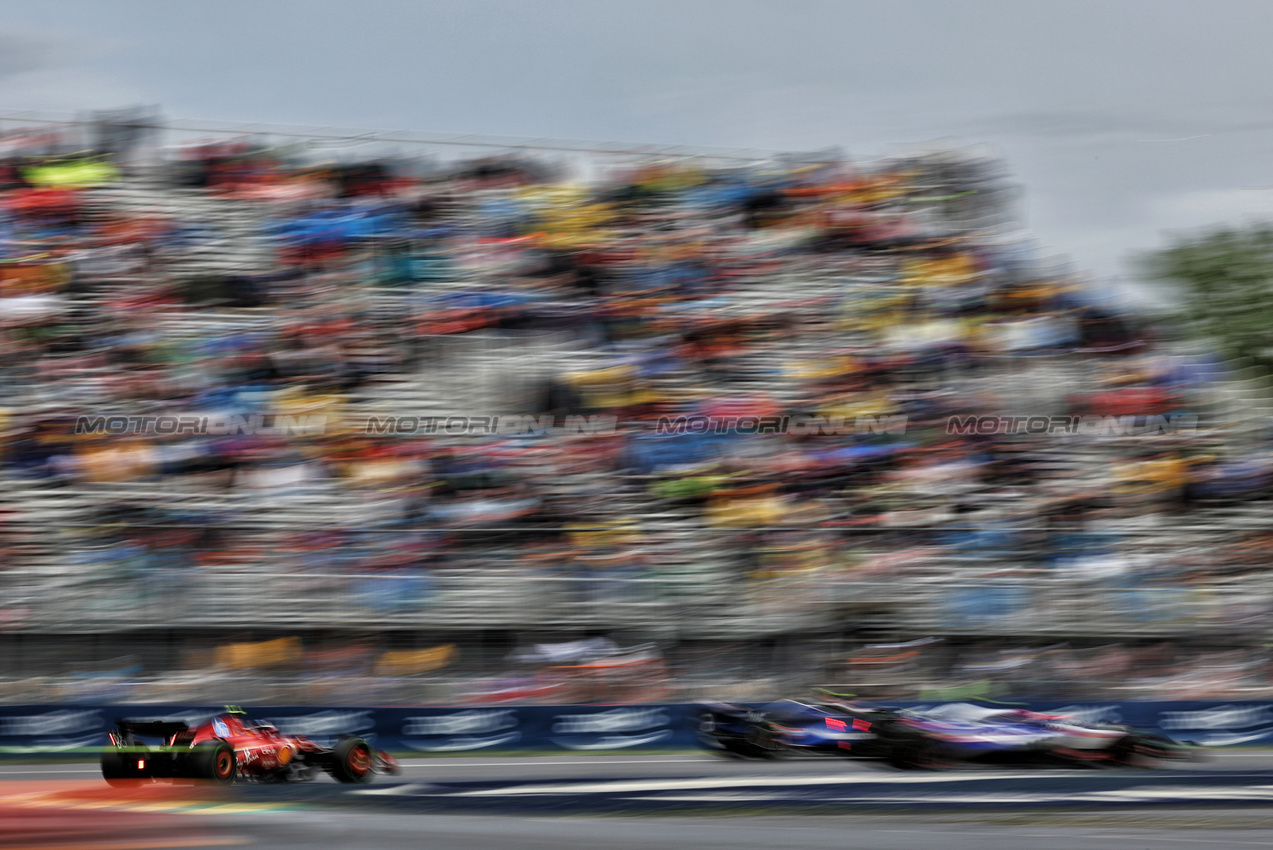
{"points": [[53, 729], [28, 730]]}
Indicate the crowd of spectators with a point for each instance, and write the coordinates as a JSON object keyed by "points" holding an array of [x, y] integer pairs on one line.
{"points": [[763, 363]]}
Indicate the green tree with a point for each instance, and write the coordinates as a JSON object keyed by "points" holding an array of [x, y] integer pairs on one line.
{"points": [[1225, 281]]}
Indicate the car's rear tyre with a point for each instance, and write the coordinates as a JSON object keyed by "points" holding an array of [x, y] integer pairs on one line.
{"points": [[213, 762], [118, 771], [708, 738], [914, 752], [899, 755], [352, 761]]}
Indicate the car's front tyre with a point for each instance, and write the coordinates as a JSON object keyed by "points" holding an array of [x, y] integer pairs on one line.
{"points": [[352, 761]]}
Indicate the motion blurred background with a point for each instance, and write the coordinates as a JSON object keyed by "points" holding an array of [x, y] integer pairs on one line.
{"points": [[351, 308]]}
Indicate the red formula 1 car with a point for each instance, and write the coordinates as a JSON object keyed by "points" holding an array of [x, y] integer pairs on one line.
{"points": [[229, 747]]}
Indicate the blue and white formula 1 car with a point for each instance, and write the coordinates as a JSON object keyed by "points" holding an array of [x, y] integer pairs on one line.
{"points": [[964, 733], [788, 726]]}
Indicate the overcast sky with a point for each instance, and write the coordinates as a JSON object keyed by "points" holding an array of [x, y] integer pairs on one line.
{"points": [[1121, 119]]}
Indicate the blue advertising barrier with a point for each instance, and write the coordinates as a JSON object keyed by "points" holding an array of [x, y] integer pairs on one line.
{"points": [[52, 729], [39, 729]]}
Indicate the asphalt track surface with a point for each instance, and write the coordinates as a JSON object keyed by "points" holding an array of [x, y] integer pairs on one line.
{"points": [[657, 801]]}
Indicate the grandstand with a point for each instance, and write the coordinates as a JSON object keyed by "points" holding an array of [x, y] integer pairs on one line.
{"points": [[254, 272]]}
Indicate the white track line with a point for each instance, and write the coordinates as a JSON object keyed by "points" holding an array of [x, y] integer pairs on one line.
{"points": [[530, 762]]}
